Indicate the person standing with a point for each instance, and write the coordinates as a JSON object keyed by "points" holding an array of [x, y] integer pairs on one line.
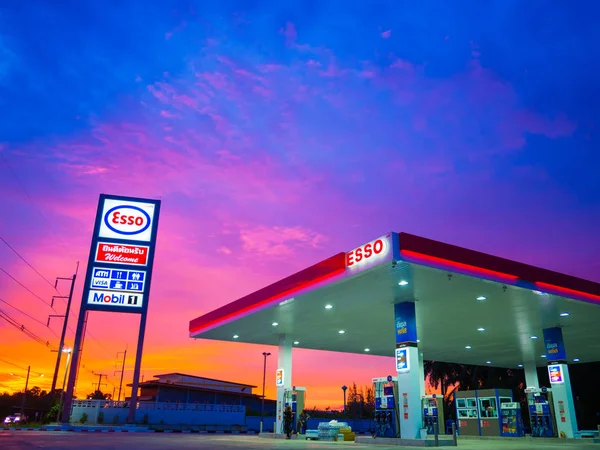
{"points": [[288, 417], [303, 421]]}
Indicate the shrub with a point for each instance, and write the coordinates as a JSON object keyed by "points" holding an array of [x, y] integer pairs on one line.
{"points": [[84, 418], [115, 419], [100, 417], [145, 419]]}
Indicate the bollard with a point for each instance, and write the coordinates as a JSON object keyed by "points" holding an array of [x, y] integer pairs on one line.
{"points": [[454, 440], [436, 431]]}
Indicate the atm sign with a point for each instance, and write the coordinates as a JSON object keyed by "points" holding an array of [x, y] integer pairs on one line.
{"points": [[366, 252]]}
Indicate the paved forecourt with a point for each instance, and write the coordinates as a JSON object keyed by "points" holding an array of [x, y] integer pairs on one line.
{"points": [[10, 440]]}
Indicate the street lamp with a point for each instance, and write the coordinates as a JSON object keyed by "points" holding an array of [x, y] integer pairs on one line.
{"points": [[62, 392], [262, 408], [344, 389]]}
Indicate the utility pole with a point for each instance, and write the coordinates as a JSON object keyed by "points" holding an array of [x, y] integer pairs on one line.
{"points": [[65, 322], [100, 375], [25, 393], [262, 406], [122, 372]]}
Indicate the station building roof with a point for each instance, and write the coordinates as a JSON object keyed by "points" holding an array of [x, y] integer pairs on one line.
{"points": [[472, 307]]}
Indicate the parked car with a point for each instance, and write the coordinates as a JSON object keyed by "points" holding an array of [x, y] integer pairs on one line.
{"points": [[14, 418]]}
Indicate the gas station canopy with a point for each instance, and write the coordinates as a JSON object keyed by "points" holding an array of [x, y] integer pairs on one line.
{"points": [[471, 307]]}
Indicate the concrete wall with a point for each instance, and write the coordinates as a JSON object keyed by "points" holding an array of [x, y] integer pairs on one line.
{"points": [[115, 413]]}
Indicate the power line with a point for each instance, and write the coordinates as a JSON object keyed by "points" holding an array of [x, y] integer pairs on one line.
{"points": [[22, 186], [31, 317], [26, 288], [23, 329], [26, 262], [18, 367]]}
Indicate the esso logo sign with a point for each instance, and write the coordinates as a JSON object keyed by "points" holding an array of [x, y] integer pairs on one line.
{"points": [[127, 220], [366, 252]]}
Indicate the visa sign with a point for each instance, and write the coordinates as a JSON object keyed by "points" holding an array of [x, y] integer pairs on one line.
{"points": [[126, 220]]}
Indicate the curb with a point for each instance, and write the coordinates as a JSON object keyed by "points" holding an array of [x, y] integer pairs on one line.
{"points": [[112, 430]]}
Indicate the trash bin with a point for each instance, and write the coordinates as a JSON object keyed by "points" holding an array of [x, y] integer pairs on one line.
{"points": [[423, 433]]}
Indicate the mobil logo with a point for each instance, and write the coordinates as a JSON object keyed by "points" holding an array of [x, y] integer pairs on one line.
{"points": [[101, 297], [127, 219]]}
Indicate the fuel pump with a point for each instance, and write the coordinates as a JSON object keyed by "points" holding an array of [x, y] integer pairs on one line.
{"points": [[432, 408], [387, 420], [541, 412], [295, 398]]}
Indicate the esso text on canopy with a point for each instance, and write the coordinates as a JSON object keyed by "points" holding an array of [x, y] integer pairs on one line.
{"points": [[366, 252], [127, 220]]}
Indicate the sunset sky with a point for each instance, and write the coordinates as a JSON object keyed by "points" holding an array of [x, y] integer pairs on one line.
{"points": [[277, 134]]}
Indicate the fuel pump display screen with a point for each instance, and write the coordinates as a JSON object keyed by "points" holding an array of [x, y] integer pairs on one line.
{"points": [[388, 390]]}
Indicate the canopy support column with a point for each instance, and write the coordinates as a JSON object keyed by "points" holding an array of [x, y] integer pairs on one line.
{"points": [[283, 378]]}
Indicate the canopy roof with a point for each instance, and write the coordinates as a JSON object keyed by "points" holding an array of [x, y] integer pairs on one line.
{"points": [[457, 291]]}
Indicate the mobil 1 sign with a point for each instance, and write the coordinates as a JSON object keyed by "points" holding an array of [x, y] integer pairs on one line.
{"points": [[122, 254], [114, 298]]}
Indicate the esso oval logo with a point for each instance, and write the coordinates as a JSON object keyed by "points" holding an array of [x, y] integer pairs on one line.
{"points": [[366, 252], [127, 220]]}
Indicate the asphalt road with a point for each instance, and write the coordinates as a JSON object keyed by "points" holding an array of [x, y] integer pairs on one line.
{"points": [[28, 440]]}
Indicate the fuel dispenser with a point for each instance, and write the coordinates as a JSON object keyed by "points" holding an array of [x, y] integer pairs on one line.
{"points": [[432, 409], [387, 419], [511, 419], [541, 412], [295, 398]]}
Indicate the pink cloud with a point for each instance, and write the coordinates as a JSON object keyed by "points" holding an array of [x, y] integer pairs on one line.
{"points": [[386, 34], [168, 114], [289, 31], [279, 241]]}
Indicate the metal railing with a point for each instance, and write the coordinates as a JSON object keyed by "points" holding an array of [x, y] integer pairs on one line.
{"points": [[162, 406]]}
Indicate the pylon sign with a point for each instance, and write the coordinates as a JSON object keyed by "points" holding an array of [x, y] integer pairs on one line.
{"points": [[118, 275], [121, 255]]}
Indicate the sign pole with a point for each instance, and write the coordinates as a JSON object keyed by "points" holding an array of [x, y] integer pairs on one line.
{"points": [[66, 412], [137, 369]]}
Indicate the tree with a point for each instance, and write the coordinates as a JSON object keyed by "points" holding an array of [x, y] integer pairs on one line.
{"points": [[35, 392], [98, 395]]}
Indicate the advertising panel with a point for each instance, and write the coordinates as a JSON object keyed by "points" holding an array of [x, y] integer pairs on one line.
{"points": [[114, 298], [279, 377], [555, 373], [121, 255], [127, 220], [554, 344], [402, 361], [406, 324]]}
